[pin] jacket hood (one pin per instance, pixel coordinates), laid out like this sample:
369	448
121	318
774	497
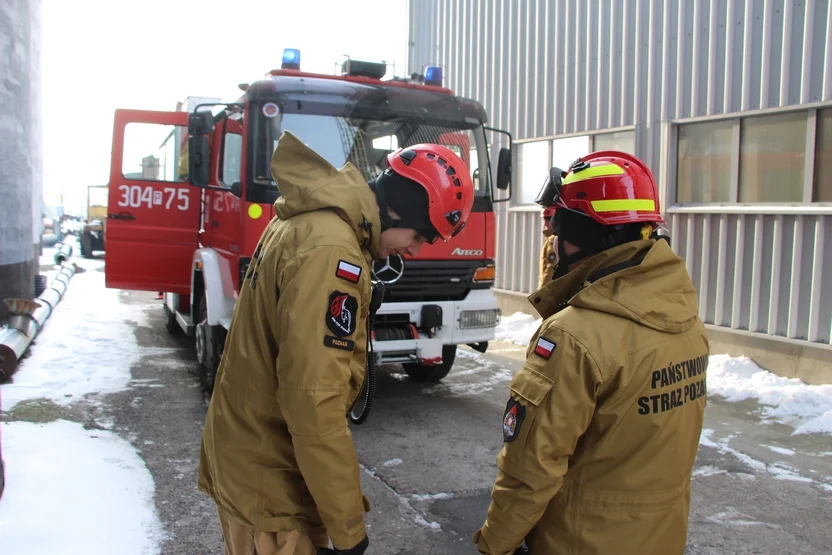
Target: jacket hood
307	182
652	288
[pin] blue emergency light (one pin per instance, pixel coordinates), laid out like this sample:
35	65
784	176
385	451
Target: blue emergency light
433	75
291	58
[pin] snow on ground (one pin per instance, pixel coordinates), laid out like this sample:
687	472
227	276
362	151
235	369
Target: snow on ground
807	408
780	450
68	489
517	328
71	490
405	502
87	345
778	470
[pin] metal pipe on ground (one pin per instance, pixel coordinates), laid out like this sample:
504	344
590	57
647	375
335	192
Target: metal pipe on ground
26	319
64	253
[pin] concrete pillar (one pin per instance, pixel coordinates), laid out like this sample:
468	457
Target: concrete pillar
21	175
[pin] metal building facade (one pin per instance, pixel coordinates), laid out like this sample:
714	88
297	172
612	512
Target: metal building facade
691	84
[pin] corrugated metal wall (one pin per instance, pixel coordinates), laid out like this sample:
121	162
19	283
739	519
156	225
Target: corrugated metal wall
544	68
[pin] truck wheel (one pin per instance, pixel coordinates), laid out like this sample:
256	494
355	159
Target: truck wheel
208	348
170	321
86	246
434	372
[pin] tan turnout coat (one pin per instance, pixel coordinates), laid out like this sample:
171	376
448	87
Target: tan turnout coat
603	422
277	453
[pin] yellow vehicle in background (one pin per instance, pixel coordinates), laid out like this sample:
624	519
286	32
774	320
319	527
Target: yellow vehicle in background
95	226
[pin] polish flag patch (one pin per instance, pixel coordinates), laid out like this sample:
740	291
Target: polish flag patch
544	348
347	271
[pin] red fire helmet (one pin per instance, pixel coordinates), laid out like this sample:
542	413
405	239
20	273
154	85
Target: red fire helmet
612	188
446	179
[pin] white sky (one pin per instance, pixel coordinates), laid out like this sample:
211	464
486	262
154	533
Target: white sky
99	55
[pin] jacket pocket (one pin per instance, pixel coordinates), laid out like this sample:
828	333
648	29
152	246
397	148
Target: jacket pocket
528	390
531	386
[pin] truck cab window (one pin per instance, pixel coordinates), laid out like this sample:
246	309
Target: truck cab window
366	142
154	152
232	156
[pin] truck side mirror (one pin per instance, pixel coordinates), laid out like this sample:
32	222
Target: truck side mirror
200	125
504	169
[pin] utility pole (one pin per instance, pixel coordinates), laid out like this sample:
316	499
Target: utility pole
21	161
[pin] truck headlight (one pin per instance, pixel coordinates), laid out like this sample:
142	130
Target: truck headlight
470	319
485	274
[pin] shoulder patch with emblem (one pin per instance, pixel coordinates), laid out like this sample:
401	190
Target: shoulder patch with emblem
513	417
544	348
341	314
348	271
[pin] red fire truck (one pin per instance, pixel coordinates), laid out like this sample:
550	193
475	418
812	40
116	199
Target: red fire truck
185	219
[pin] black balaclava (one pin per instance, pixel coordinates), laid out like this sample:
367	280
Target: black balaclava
406	198
588	235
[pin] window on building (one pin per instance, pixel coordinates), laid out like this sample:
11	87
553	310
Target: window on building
567	150
773	158
533	168
703	167
624	141
822	190
756	158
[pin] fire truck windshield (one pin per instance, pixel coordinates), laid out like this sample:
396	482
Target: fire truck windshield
366	142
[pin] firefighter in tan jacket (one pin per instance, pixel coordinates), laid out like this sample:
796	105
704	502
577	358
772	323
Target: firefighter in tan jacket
277	455
546	199
549	254
602	424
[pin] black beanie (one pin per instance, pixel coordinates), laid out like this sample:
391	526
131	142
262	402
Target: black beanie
406	198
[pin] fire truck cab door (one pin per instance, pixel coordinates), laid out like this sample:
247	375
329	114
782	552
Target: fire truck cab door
153	216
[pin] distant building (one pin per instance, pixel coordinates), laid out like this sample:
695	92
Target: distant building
150	168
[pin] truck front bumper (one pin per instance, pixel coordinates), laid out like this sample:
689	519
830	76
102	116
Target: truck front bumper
470	321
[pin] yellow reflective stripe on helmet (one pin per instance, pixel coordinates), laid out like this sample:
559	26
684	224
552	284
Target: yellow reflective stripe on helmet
624	205
598	170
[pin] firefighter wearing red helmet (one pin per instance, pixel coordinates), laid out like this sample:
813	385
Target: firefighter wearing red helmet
277	455
602	423
548	255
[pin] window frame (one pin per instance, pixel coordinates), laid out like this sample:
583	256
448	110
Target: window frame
805	206
516	205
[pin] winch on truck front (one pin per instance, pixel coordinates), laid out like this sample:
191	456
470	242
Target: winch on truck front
188	226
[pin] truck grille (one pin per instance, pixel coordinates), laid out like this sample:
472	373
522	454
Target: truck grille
432	281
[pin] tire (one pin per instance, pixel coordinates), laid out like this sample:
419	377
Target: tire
2	477
170	321
86	246
209	345
434	372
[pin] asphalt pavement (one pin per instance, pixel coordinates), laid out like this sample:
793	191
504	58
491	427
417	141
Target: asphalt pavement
428	459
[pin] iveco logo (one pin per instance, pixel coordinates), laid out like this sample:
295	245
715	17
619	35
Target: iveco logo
389	270
463	252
